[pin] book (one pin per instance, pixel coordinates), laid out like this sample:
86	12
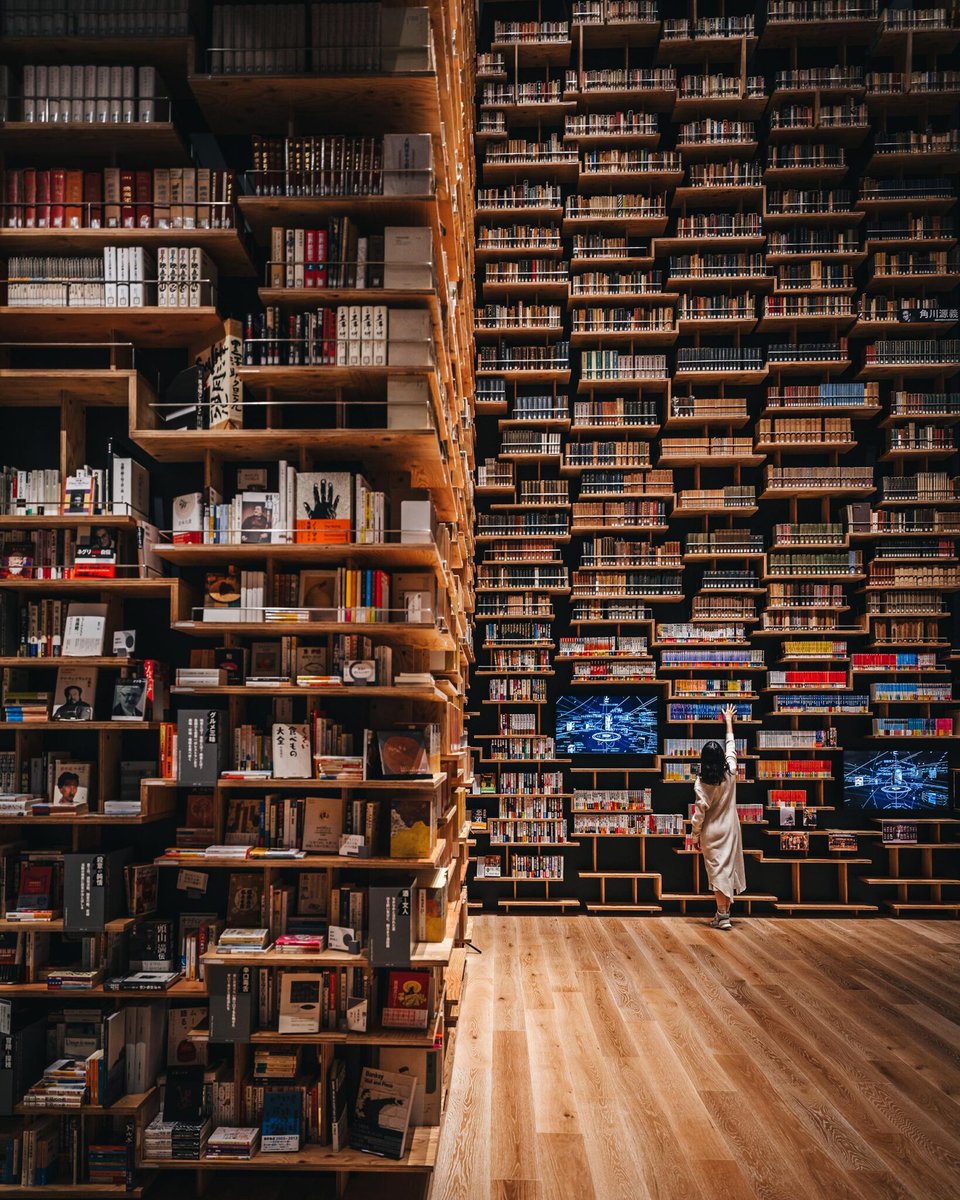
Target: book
412	831
36	889
407	1003
84	630
322	824
292	756
71	783
281	1120
381	1116
244	898
301	997
324	507
130	700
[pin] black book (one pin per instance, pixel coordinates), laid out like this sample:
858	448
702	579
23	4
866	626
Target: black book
183	1094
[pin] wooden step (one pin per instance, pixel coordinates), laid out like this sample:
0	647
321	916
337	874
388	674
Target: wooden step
566	902
915	906
823	906
619	874
843	862
623	908
917	882
708	898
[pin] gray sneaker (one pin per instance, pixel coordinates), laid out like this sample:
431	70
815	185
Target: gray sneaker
721	921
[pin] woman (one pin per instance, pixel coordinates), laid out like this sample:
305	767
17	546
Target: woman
716	826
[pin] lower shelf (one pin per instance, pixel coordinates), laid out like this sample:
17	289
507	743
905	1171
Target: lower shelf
897	906
421	1156
824	906
75	1191
623	908
567	902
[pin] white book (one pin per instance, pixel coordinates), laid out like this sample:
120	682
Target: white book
146	94
116	88
29	93
366	335
301	999
183	274
76	93
137	271
110	276
163	268
343	334
128	108
123	276
292	757
353	335
380	334
85	631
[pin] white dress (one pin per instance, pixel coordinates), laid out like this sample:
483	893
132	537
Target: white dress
716	823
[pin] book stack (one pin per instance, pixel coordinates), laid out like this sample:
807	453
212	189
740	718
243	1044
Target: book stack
231	1141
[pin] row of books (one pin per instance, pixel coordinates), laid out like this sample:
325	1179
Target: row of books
89	94
118	198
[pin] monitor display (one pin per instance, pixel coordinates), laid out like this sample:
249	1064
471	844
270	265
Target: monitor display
624	724
896	780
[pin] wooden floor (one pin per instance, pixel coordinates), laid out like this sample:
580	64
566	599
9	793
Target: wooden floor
600	1059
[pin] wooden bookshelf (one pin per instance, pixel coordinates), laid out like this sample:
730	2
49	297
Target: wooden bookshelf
74	377
767	240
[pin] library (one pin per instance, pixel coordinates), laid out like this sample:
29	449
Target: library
618	853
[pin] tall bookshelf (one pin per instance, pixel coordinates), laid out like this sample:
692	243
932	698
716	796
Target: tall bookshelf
718	277
86	377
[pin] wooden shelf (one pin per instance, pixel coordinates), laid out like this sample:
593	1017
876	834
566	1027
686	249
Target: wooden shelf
225	246
151	144
420	1157
393	102
144	326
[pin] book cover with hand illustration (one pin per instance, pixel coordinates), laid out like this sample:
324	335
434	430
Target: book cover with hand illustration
324	507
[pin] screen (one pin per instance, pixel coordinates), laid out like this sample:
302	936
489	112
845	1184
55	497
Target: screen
626	724
896	780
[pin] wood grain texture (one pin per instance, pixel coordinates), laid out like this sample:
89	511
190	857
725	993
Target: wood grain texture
601	1058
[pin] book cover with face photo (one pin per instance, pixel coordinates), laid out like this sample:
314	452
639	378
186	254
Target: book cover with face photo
257	510
324	507
129	700
74	694
71	783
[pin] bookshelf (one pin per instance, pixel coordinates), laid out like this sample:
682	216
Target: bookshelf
292	175
753	446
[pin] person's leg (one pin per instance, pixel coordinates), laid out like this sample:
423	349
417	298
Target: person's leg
722	918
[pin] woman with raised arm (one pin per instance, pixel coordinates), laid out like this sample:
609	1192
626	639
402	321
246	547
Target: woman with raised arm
716	826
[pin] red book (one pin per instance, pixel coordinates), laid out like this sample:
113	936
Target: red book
321	264
36	889
58	197
13	196
29	198
43	199
73	212
309	258
143	198
93	199
128	214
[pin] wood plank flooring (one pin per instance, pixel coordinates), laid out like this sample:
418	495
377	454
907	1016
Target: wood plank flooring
618	1059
